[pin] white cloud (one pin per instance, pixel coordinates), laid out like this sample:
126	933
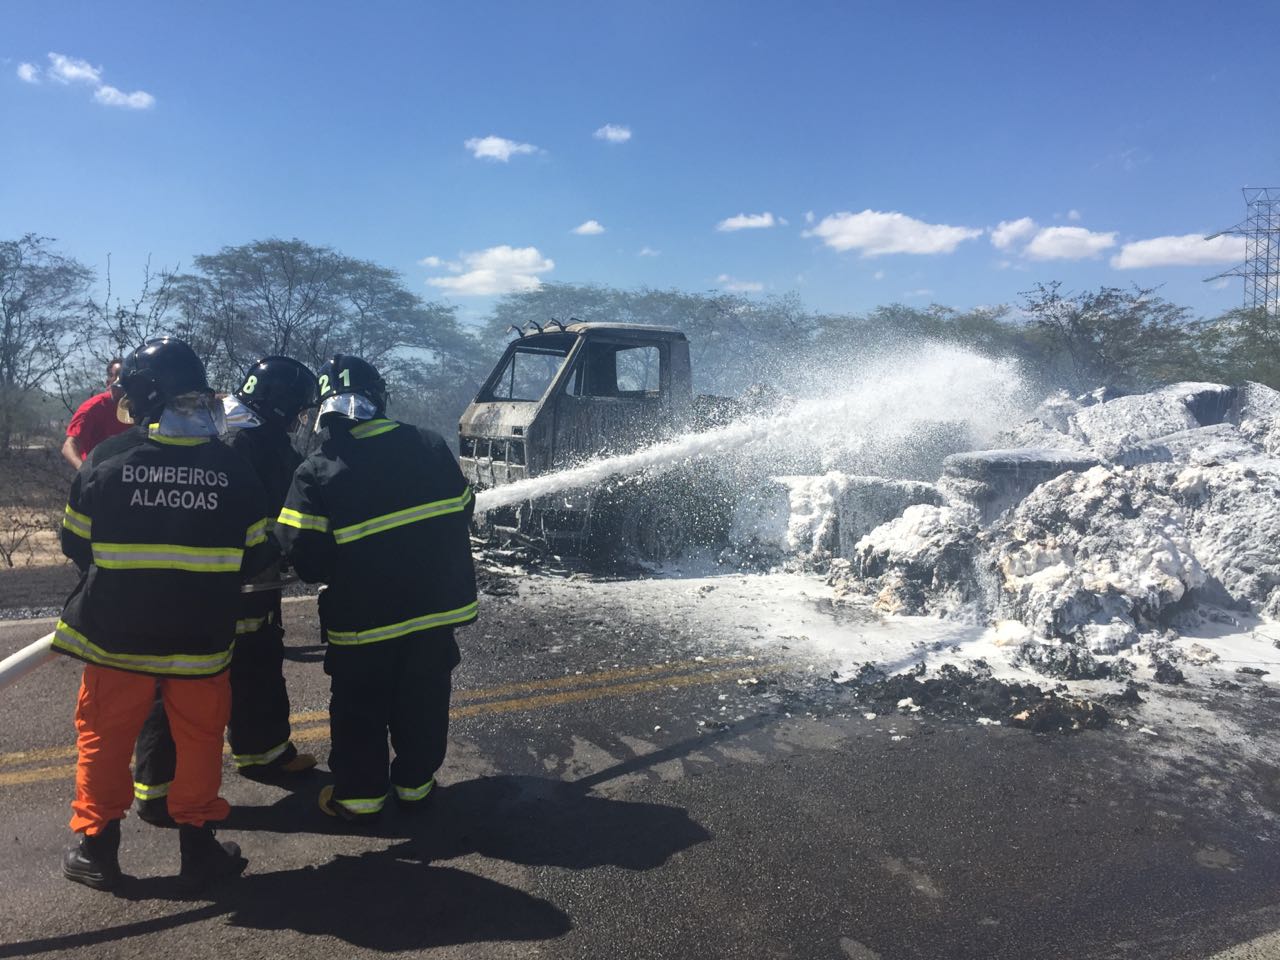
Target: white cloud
503	269
747	221
497	148
614	133
875	233
111	97
1188	250
66	69
878	275
589	228
739	286
808	216
431	262
1220	284
1068	243
1073	214
922	292
648	252
1009	232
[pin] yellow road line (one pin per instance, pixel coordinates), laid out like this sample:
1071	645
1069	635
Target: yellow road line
67	772
603	676
31	756
553	683
459	696
493	707
599	693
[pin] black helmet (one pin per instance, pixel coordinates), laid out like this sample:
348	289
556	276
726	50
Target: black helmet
278	389
346	374
157	372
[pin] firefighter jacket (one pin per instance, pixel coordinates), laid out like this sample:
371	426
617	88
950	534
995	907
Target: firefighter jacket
163	529
381	513
270	452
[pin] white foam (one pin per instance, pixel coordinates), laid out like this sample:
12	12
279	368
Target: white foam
886	406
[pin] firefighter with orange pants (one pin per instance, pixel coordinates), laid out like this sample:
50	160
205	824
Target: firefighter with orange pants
381	514
164	522
261	416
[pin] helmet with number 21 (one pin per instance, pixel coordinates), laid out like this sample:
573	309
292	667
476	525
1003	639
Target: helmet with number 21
352	388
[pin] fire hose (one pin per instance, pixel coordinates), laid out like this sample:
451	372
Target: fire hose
39	652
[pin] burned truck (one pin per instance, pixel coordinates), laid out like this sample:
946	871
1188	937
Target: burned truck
563	395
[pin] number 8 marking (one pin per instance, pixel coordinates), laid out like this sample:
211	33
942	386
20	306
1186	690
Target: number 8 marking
249	385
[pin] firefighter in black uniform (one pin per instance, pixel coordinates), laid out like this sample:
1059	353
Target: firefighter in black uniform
381	514
261	416
164	523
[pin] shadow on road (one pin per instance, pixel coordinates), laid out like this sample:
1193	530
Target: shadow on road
377	900
528	820
537	822
362	899
383	901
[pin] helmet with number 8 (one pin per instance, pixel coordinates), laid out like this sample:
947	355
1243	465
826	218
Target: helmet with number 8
353	388
278	389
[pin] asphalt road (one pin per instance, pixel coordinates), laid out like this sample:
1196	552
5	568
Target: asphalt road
622	789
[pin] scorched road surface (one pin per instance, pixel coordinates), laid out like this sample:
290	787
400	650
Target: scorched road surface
621	788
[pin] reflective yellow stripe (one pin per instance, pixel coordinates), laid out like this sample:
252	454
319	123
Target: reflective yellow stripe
154	433
372	428
167	556
70	640
389	521
78	523
257	533
415	793
144	791
303	521
257	759
364	805
393	630
250	625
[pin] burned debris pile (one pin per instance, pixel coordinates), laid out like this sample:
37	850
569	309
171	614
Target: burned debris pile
976	694
1104	526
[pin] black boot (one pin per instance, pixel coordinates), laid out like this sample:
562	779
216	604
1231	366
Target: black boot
204	859
95	861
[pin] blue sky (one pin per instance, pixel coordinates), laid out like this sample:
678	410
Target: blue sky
858	153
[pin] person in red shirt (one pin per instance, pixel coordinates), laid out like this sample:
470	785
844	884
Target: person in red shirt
94	420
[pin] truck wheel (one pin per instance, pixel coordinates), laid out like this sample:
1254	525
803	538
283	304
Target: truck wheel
633	520
661	530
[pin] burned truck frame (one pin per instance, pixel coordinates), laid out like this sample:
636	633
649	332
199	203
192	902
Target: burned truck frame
565	394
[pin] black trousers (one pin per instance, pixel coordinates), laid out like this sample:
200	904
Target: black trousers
259	728
401	687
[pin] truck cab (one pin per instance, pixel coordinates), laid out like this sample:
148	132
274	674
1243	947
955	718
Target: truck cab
564	394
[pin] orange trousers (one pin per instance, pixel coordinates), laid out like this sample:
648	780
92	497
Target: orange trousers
112	708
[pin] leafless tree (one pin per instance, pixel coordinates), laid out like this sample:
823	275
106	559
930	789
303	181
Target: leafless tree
45	318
